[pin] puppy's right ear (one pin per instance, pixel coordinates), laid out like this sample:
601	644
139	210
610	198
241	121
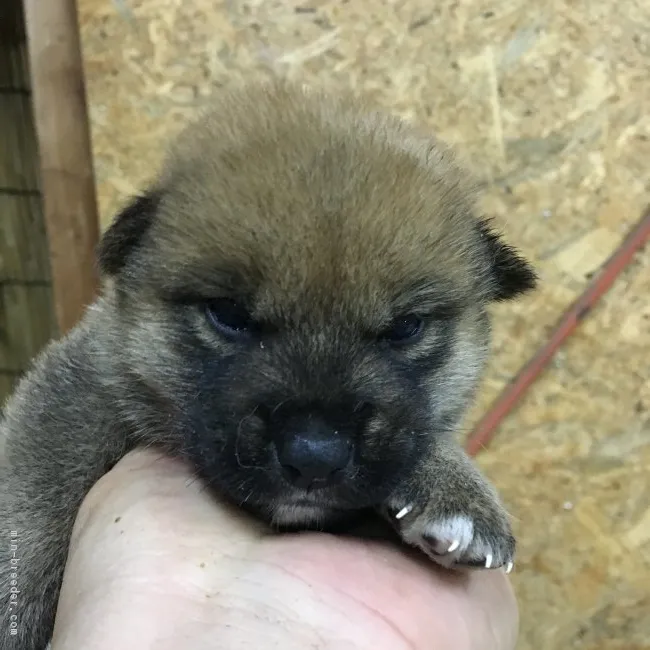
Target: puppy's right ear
125	234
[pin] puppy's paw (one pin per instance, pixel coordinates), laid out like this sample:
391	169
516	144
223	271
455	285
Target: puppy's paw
456	537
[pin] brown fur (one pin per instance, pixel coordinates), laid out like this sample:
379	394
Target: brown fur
327	221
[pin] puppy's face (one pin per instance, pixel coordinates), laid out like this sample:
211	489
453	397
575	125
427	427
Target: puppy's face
302	297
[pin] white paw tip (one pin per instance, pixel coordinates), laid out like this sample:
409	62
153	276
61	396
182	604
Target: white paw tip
509	567
403	512
488	560
454	545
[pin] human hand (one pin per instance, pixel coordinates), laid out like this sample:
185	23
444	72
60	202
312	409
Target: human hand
156	562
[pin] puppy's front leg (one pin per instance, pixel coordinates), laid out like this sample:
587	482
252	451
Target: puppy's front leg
450	511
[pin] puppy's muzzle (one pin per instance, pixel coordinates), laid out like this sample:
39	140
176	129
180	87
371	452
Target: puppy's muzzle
312	453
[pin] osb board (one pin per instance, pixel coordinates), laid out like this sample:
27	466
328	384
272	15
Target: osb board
548	101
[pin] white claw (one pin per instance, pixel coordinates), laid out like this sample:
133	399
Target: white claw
509	567
488	561
403	512
454	545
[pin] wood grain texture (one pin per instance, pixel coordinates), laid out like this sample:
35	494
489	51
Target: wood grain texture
26	310
65	152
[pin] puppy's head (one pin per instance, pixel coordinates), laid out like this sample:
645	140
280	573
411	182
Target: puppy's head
303	296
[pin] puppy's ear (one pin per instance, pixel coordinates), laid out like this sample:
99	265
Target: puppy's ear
125	234
511	274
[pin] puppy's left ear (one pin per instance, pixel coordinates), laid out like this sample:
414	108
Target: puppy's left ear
511	274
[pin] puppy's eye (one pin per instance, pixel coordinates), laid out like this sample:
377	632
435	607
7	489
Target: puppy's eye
228	317
405	329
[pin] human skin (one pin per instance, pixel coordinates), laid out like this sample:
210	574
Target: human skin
156	562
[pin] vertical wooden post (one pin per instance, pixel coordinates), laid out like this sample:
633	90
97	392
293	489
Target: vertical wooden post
26	311
67	175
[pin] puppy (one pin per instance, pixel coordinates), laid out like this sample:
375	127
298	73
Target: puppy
298	305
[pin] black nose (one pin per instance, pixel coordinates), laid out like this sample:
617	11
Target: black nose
313	454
